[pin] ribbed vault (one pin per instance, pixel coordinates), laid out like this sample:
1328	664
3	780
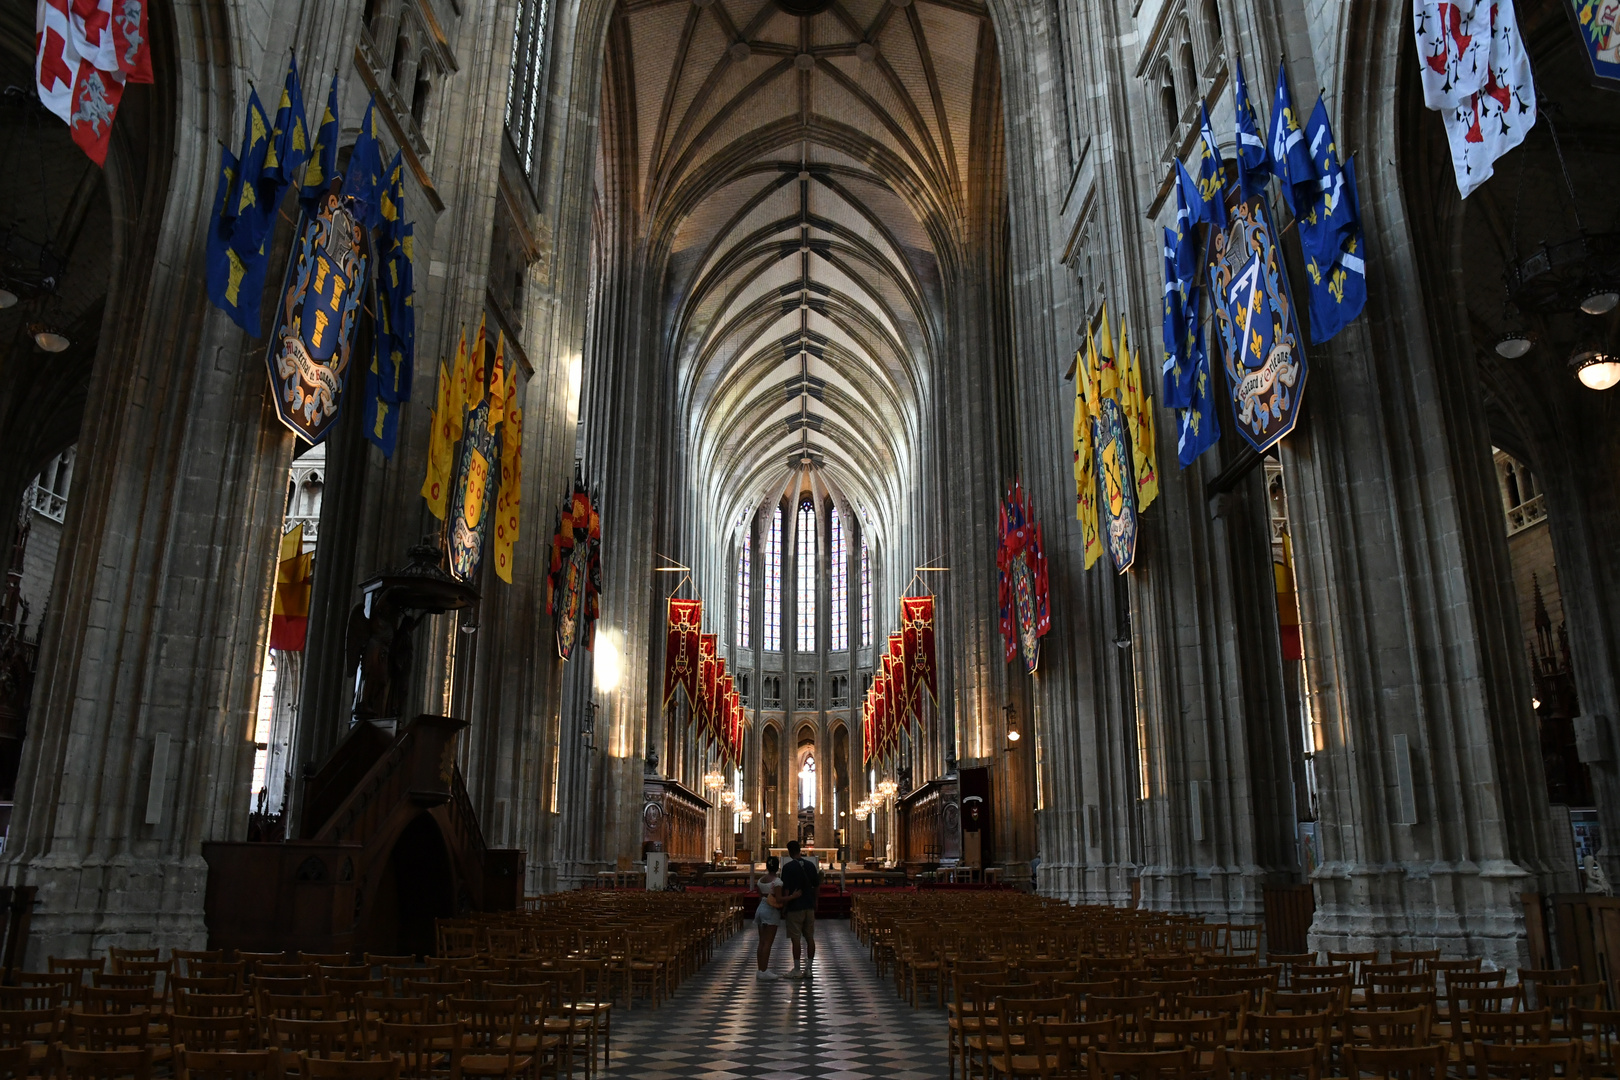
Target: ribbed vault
800	188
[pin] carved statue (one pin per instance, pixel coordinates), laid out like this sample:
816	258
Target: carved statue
1596	880
379	645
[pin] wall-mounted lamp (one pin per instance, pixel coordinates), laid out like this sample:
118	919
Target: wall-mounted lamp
1013	734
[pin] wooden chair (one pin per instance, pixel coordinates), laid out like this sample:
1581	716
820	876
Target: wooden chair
108	1031
187	1003
215	1034
1562	998
1387	1027
1420	959
79	967
313	1038
1395	1063
1465	1003
1532	1026
106	999
235	970
966	1012
251	960
1135	1013
1289	1002
15	1063
192	1064
425	1051
491	1030
1289	1032
120	956
1356	960
34	1031
73	1064
339	1069
1519	1062
1009	1053
1063	1048
1598	1032
218	985
1162	1065
185	959
1302	1064
1202	1036
66	983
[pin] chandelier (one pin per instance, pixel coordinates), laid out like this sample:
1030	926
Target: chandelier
745	813
887	788
713	780
728	797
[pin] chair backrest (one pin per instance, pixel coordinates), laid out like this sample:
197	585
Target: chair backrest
1380	982
1395	1063
107	999
120	956
1290	1032
74	965
19	1027
314	1038
1301	1064
1278	1002
1387	1027
66	982
1402	999
74	1064
235	970
1134	1013
1560	999
1356	960
1420	958
14	1062
1599	1030
329	1069
251	960
190	1003
418	1046
1169	991
1530	1026
108	1031
184	959
1204	1033
1520	1062
341	959
219	985
1163	1065
491	1024
226	1065
213	1033
14	998
125	980
295	1006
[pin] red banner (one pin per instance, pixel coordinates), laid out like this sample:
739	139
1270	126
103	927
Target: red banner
703	706
681	649
904	693
917	623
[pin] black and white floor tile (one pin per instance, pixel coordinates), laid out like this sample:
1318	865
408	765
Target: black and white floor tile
844	1023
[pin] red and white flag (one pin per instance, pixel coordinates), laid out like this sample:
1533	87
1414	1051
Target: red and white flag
84	51
1454	48
91	22
1488	123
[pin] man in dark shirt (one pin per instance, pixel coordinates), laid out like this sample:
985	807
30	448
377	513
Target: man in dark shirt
801	882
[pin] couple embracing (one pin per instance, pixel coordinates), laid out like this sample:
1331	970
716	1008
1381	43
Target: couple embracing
788	900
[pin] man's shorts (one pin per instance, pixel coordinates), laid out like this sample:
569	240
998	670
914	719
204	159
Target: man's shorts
801	924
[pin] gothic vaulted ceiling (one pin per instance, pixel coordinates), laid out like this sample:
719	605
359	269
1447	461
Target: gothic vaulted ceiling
801	186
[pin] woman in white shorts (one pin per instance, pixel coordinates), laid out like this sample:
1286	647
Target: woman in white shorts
768	915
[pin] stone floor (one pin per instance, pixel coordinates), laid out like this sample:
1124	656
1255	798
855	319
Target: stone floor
843	1024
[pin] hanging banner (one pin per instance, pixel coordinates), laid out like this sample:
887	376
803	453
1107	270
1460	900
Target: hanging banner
472	495
904	690
717	714
313	334
1116	483
1598	24
917	631
684	619
703	707
1259	333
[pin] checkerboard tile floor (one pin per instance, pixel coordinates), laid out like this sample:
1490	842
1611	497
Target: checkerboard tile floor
724	1024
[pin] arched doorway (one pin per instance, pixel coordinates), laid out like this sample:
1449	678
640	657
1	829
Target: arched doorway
417	887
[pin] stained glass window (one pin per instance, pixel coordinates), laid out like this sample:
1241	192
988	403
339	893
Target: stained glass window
866	596
773	583
805	574
744	581
525	94
839	560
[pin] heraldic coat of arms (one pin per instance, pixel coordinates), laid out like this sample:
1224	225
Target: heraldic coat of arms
320	305
1265	356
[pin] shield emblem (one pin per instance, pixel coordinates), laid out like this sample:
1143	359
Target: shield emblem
321	299
1116	480
470	496
1259	331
